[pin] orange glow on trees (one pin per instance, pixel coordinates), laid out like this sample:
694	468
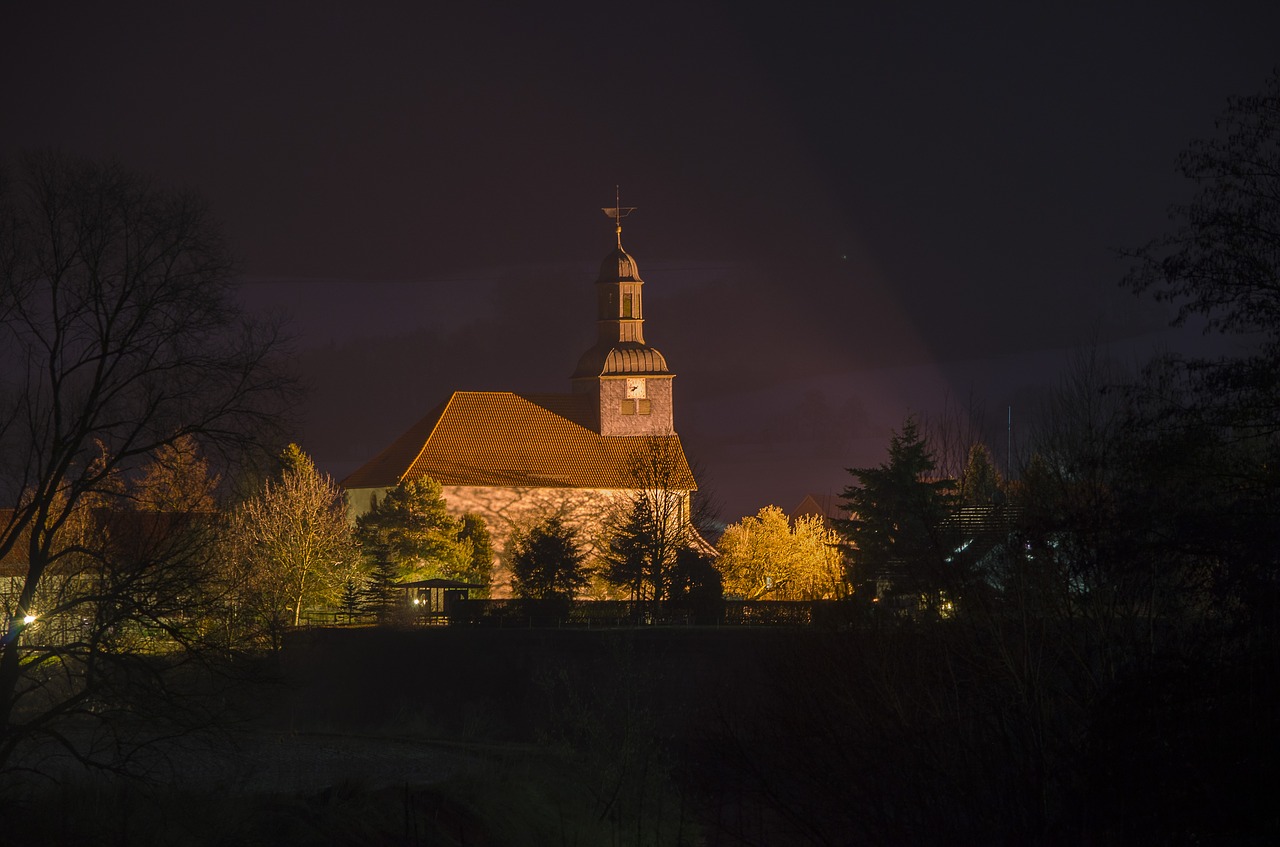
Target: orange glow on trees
767	557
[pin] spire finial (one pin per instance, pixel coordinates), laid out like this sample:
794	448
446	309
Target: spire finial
618	212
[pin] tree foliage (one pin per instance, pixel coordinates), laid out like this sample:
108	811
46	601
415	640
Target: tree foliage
121	340
547	562
380	596
474	531
1221	261
980	484
290	547
898	512
1221	264
769	557
652	526
411	523
697	585
177	479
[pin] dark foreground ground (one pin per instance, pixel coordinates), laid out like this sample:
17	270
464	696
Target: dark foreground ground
697	736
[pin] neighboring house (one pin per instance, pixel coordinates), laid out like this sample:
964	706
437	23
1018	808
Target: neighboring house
515	459
13	573
829	507
139	550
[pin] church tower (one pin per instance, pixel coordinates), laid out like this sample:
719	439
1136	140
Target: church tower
627	378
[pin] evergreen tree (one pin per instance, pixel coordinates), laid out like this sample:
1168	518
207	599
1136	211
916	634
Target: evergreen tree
898	509
980	484
626	559
475	531
653	526
547	562
696	585
381	595
352	597
411	523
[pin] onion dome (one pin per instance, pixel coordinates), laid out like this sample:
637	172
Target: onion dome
618	266
621	359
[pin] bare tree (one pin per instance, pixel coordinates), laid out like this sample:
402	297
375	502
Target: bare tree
119	338
290	547
654	525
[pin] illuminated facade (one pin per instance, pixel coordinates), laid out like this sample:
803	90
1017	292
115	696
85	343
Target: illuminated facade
516	459
628	381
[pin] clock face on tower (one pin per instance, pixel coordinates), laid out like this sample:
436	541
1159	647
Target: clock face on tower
636	388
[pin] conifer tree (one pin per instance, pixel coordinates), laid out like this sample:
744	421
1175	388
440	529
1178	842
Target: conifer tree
980	485
412	524
352	597
547	563
898	509
475	531
381	594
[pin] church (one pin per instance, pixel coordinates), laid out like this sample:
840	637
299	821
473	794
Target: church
516	459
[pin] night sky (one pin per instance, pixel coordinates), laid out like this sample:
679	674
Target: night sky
844	215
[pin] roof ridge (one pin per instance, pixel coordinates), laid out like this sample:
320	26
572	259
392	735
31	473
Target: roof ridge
509	439
444	410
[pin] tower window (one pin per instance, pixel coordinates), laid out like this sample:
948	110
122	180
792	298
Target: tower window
626	305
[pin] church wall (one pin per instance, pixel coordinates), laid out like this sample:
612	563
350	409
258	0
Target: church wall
506	509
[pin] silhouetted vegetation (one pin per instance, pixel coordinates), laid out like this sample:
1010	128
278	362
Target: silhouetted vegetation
125	361
1085	652
651	529
548	564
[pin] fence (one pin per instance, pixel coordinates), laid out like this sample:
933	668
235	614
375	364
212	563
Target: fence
621	613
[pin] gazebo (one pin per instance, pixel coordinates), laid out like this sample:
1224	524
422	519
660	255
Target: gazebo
433	598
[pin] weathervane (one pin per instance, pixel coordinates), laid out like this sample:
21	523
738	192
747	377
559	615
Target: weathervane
618	212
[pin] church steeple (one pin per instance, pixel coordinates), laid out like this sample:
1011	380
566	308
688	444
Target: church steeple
620	304
618	212
630	379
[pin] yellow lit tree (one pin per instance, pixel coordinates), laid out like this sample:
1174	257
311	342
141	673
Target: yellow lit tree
768	557
290	547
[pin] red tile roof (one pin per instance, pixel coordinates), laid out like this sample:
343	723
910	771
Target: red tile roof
503	439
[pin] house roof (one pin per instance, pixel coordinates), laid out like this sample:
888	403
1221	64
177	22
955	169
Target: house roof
497	438
826	506
125	535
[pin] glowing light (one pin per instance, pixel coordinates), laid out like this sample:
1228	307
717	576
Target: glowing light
28	620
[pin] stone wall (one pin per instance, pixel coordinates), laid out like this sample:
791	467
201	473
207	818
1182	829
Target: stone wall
506	509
